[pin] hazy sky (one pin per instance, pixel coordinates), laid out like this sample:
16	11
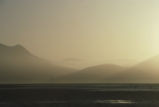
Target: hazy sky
83	32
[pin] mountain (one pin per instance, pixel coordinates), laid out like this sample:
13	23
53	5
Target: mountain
95	74
18	65
144	72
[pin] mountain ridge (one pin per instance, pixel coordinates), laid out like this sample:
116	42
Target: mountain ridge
17	64
93	74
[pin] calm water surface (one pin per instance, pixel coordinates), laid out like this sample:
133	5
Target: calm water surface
80	95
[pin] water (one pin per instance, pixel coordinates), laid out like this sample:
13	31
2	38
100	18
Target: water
80	95
115	101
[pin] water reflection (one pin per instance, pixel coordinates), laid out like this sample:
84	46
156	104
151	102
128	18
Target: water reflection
115	101
97	101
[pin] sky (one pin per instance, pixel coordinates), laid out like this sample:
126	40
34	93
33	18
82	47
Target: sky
80	33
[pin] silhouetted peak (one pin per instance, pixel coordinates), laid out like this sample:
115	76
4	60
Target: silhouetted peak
15	46
16	49
18	46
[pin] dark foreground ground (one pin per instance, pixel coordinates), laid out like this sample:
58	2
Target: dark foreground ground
79	95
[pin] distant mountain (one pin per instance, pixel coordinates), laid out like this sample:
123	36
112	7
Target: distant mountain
95	74
144	72
18	65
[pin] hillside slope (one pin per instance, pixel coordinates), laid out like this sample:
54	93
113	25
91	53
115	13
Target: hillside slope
18	65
